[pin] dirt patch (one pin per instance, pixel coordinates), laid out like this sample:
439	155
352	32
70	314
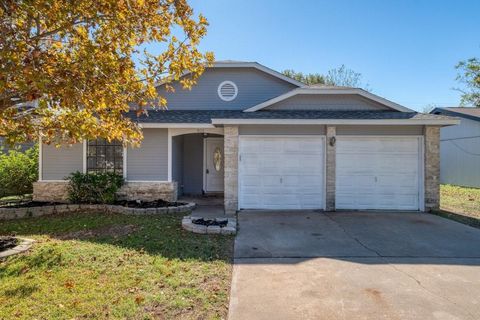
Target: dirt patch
114	231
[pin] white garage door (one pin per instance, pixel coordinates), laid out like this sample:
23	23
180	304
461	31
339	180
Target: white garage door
378	173
281	172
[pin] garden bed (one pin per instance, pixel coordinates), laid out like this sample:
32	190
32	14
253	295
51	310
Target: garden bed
122	207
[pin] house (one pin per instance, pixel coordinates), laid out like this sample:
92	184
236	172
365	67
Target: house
266	141
460	148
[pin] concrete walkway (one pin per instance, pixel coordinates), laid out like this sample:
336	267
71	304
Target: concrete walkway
310	265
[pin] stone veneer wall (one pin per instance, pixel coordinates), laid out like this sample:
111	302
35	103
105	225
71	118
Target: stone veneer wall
56	191
432	167
52	191
330	169
231	169
149	191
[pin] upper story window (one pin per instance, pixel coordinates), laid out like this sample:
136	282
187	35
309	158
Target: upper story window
227	90
104	156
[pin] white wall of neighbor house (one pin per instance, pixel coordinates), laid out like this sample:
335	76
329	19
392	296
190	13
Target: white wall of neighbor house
460	154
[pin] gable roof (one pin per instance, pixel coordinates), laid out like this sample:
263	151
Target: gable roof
258	66
247	64
467	113
329	90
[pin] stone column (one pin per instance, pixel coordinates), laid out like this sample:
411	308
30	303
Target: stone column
330	168
432	167
231	169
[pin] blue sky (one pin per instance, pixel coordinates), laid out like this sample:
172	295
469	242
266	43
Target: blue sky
405	50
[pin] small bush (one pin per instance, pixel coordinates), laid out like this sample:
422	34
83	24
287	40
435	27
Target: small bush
93	187
18	172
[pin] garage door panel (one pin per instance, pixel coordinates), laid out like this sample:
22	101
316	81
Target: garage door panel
377	173
288	175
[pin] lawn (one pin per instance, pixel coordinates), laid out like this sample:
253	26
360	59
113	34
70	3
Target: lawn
461	204
107	266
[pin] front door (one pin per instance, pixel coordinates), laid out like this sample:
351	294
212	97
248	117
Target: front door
213	175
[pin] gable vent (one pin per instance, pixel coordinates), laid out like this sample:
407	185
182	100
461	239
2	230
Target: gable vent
227	90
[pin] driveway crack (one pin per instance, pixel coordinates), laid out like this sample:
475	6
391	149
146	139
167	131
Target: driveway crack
352	237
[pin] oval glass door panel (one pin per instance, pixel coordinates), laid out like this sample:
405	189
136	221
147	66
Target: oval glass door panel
217	159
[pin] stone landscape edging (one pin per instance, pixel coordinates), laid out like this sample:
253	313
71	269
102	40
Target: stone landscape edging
30	212
230	228
23	246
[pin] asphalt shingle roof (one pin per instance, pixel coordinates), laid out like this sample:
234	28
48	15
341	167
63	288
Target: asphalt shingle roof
464	112
206	116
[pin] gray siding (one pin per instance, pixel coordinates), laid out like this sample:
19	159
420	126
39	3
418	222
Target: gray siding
281	130
254	87
193	164
58	163
460	154
327	102
380	130
149	162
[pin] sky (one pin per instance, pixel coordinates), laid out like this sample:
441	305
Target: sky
405	50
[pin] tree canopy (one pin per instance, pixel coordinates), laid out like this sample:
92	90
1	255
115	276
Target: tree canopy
469	75
341	76
82	64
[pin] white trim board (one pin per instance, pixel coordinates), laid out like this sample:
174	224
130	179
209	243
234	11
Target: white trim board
440	122
330	91
40	161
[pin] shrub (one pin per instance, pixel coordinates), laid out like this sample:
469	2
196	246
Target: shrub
93	187
18	172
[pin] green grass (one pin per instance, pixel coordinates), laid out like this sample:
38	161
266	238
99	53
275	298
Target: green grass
460	200
106	266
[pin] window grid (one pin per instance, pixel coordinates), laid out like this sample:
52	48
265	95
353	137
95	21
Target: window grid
104	156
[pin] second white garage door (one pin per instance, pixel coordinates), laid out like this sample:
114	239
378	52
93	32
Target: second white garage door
378	173
284	172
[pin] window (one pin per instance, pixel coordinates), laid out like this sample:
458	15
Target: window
104	156
227	90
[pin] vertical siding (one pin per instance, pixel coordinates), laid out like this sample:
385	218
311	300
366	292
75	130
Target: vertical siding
460	154
193	164
58	163
254	87
327	102
149	162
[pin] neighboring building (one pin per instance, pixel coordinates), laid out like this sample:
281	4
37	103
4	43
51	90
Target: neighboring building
460	148
266	141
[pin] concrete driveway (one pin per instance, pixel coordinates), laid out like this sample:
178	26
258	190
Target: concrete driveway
354	265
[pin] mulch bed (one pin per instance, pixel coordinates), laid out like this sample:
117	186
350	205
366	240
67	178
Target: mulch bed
210	222
7	243
149	204
28	204
130	204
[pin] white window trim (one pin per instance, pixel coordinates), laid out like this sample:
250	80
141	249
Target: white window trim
219	90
